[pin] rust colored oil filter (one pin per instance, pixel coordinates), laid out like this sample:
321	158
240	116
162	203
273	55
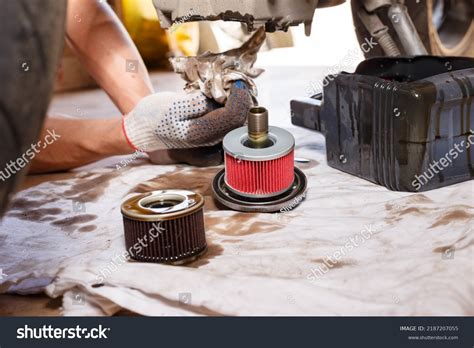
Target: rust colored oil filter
165	226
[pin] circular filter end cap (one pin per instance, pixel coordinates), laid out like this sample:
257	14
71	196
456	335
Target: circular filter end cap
290	198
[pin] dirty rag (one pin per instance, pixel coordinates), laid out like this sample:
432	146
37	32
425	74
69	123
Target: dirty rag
350	248
213	74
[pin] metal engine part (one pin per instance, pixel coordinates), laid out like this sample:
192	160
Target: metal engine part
372	5
406	30
379	31
273	14
401	22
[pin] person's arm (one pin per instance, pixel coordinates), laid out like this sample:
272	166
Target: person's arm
79	142
104	47
100	41
170	126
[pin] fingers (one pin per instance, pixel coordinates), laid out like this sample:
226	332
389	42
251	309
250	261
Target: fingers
193	105
174	107
212	127
239	85
238	105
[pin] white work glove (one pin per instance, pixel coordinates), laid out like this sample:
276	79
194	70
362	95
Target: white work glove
183	121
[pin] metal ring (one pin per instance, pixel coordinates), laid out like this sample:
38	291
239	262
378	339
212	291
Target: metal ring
170	204
290	198
283	143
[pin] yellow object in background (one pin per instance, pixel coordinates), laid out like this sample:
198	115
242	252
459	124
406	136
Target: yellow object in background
184	39
154	43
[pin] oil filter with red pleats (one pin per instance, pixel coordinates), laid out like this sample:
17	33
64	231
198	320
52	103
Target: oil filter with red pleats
259	173
260	178
259	159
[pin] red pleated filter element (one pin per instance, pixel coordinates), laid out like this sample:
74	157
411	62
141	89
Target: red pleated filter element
259	178
259	174
259	159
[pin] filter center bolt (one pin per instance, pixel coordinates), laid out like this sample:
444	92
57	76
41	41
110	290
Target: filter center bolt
258	128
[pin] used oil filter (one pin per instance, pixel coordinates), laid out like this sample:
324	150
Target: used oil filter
165	226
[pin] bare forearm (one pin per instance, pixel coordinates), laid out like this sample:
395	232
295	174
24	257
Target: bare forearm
80	142
102	44
100	41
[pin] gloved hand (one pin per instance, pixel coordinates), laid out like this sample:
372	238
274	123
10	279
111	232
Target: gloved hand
176	121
